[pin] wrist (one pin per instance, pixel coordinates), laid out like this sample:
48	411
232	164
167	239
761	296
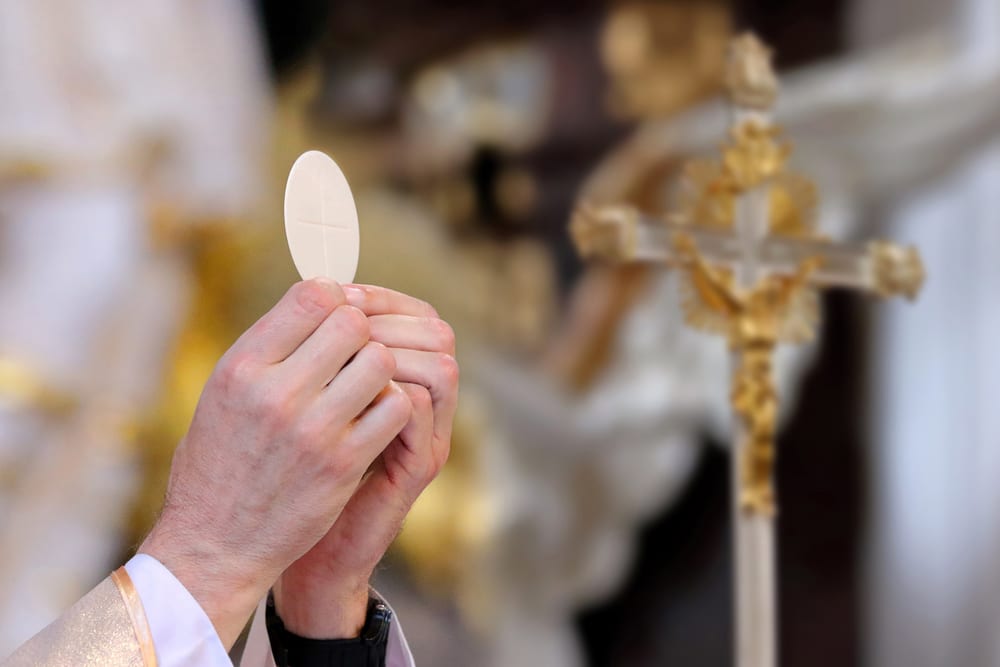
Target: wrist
227	594
368	649
321	606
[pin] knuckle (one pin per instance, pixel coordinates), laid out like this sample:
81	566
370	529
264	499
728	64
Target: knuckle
398	405
419	397
337	465
448	370
353	323
236	373
430	310
308	437
316	297
274	408
266	405
445	335
382	359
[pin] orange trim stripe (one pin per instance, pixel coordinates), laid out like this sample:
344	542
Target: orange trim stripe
138	615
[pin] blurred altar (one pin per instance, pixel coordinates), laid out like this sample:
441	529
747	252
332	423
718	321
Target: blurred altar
582	518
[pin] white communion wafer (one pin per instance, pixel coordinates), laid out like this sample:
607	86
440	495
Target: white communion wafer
321	221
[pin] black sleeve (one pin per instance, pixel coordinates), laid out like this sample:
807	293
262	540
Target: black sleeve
366	650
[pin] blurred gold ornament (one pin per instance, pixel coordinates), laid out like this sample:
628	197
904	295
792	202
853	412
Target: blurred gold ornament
793	204
755	400
663	56
28	388
706	195
746	243
753	155
604	231
171	228
898	270
750	78
24	169
777	308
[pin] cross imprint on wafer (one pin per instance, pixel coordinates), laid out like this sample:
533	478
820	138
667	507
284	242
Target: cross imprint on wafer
321	221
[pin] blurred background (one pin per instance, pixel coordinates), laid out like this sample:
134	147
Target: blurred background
583	517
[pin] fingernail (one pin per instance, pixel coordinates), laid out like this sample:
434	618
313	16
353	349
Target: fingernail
328	283
354	294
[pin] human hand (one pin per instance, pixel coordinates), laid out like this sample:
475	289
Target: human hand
292	416
323	595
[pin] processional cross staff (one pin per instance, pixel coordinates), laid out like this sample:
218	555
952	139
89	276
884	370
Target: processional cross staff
751	262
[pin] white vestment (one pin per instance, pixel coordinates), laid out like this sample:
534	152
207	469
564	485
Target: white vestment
160	625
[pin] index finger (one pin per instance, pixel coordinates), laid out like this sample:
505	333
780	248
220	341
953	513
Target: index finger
374	300
296	316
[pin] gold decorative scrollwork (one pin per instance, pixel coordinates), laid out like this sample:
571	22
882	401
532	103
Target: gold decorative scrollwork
755	399
604	231
753	156
750	77
896	270
778	308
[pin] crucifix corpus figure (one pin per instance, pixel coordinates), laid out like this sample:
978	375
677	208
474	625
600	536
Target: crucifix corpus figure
751	260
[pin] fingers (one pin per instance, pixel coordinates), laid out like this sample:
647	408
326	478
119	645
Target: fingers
417	433
411	460
321	356
380	423
429	453
295	317
381	301
429	334
438	372
358	384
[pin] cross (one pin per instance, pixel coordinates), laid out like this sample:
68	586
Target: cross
751	264
326	226
329	214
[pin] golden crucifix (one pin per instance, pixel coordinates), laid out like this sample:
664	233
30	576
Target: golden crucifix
745	243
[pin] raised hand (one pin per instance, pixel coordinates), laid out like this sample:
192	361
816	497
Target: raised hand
324	594
292	417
